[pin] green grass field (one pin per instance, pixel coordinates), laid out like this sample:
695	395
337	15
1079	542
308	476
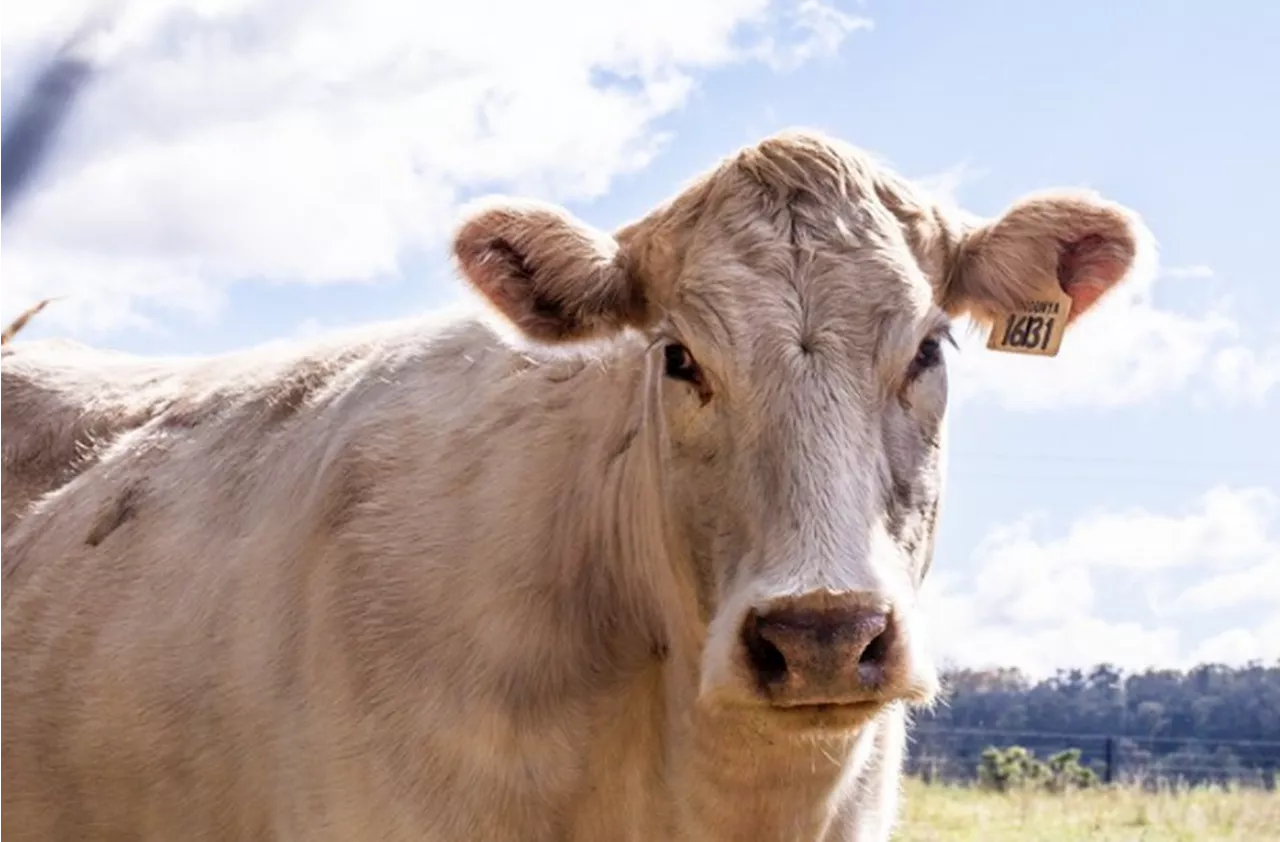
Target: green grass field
938	813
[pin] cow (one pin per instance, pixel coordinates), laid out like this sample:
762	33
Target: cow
630	551
66	402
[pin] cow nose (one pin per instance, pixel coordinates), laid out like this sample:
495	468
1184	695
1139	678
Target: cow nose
830	653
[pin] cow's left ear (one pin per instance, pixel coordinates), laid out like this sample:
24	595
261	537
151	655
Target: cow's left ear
1087	243
554	277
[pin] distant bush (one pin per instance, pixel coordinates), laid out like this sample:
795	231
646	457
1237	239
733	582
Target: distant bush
1016	768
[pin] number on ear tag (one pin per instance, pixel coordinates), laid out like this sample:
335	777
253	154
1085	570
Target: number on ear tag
1036	328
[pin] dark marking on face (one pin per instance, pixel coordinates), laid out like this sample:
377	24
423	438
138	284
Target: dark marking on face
624	444
898	505
902	493
119	512
929	522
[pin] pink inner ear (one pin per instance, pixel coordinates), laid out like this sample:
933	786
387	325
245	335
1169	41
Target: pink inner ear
1088	268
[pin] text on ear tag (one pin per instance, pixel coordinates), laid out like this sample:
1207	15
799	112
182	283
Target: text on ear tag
1036	328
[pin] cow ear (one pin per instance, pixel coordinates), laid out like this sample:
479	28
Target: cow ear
1088	244
553	276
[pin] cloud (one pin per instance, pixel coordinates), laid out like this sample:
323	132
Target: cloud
820	29
330	141
1197	270
1237	646
945	186
1246	374
1128	350
1033	601
309	328
1258	583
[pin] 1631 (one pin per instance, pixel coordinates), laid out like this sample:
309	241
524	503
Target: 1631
1028	331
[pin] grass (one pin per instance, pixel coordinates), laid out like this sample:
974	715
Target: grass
942	813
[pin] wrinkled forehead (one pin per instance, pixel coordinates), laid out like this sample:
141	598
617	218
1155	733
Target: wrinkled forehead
825	272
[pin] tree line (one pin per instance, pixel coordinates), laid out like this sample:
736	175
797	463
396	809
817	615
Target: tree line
1209	723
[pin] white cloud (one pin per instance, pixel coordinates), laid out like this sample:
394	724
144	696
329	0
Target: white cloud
1237	646
1259	583
1246	374
945	186
1228	527
328	141
1033	601
309	328
1195	270
821	27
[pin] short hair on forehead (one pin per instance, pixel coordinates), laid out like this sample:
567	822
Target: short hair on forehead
797	171
796	162
804	169
887	301
808	163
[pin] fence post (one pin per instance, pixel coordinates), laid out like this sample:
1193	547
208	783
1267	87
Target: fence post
1108	774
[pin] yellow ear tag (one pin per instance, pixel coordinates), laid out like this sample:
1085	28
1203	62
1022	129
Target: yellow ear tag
1036	328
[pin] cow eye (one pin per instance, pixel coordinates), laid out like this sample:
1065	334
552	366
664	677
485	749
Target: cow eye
928	355
680	364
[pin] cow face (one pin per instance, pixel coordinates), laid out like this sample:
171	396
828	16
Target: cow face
797	302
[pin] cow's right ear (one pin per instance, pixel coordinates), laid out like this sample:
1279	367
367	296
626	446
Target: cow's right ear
554	277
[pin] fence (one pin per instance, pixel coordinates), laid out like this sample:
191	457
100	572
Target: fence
953	754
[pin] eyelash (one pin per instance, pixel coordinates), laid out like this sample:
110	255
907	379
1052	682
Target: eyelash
928	355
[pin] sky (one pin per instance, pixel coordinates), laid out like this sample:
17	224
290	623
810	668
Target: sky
244	172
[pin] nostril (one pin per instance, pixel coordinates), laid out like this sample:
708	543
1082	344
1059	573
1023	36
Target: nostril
801	654
876	650
767	660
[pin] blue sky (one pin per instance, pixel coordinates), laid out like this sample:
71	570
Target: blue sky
254	171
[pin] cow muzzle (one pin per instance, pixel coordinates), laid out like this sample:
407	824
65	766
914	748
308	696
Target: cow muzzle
824	649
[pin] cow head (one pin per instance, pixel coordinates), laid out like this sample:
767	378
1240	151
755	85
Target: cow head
797	301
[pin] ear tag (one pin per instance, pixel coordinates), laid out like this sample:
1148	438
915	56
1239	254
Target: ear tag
1035	328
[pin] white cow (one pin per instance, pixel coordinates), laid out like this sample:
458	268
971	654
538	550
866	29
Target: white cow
643	567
